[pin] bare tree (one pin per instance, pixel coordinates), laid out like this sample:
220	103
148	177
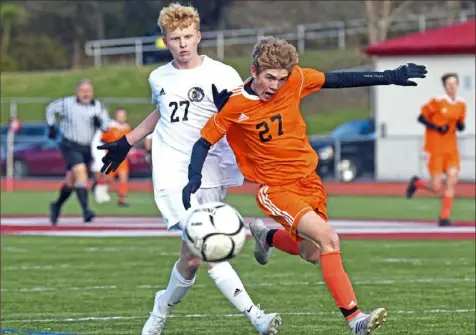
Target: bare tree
379	15
454	7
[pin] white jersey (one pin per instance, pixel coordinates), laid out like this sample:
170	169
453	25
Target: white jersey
97	154
185	102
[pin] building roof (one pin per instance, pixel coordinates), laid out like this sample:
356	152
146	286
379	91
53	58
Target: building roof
450	40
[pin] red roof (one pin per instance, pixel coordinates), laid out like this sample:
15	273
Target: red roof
456	39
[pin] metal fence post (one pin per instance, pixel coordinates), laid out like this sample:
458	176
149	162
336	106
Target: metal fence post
10	147
138	47
341	36
221	45
421	23
337	151
301	35
97	55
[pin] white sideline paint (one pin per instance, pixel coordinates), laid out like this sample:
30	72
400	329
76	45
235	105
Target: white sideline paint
297	283
204	316
35	267
153	227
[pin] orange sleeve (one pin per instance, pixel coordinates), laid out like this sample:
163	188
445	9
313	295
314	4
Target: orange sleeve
428	109
312	81
462	118
218	125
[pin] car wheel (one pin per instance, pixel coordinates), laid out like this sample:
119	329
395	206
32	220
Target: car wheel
20	169
348	170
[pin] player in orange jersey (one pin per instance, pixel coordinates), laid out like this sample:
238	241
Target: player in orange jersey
119	128
442	117
267	133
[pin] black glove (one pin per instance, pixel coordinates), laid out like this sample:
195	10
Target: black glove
401	75
52	132
460	125
442	129
221	98
116	152
193	185
97	122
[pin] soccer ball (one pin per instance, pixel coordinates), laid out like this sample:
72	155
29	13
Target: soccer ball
215	232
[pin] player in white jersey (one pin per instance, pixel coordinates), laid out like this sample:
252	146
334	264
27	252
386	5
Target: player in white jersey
100	186
182	93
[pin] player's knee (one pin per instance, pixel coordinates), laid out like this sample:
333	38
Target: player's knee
189	261
312	257
335	240
436	185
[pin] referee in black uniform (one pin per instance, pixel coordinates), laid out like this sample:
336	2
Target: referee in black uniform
80	116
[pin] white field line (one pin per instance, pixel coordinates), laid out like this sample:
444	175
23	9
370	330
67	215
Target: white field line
204	316
35	267
297	283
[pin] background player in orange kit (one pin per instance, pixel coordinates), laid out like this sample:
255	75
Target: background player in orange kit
267	133
442	117
119	128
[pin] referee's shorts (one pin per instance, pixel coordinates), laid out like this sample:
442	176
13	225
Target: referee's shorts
74	154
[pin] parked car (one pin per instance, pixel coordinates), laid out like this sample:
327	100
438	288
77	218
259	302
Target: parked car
28	133
45	159
356	140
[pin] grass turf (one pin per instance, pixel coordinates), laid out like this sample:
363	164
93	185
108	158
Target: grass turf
106	286
36	203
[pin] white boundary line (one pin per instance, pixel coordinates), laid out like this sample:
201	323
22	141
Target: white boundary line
204	316
282	283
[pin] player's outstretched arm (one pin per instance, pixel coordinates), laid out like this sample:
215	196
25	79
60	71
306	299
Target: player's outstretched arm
144	128
53	109
197	159
400	76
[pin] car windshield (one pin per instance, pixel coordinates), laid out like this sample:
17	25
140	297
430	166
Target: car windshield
347	129
354	128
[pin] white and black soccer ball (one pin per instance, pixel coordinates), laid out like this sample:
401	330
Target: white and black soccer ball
215	232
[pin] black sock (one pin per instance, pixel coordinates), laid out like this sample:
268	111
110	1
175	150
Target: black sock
269	237
82	194
348	312
64	194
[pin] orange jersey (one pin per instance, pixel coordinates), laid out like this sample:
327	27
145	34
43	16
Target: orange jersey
442	111
269	138
115	132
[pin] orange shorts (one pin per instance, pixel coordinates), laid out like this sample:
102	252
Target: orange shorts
123	168
440	163
288	203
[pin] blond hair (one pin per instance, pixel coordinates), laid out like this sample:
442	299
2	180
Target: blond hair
176	16
274	53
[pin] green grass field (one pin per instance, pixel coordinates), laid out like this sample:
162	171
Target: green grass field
36	203
106	286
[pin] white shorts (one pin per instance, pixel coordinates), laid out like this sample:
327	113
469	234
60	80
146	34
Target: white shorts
97	156
171	206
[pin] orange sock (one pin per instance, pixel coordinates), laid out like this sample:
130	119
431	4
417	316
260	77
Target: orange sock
122	188
446	206
281	240
339	284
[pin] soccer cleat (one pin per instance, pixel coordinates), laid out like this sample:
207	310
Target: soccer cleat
411	188
122	204
88	215
100	194
54	213
266	324
259	231
156	322
365	324
444	222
